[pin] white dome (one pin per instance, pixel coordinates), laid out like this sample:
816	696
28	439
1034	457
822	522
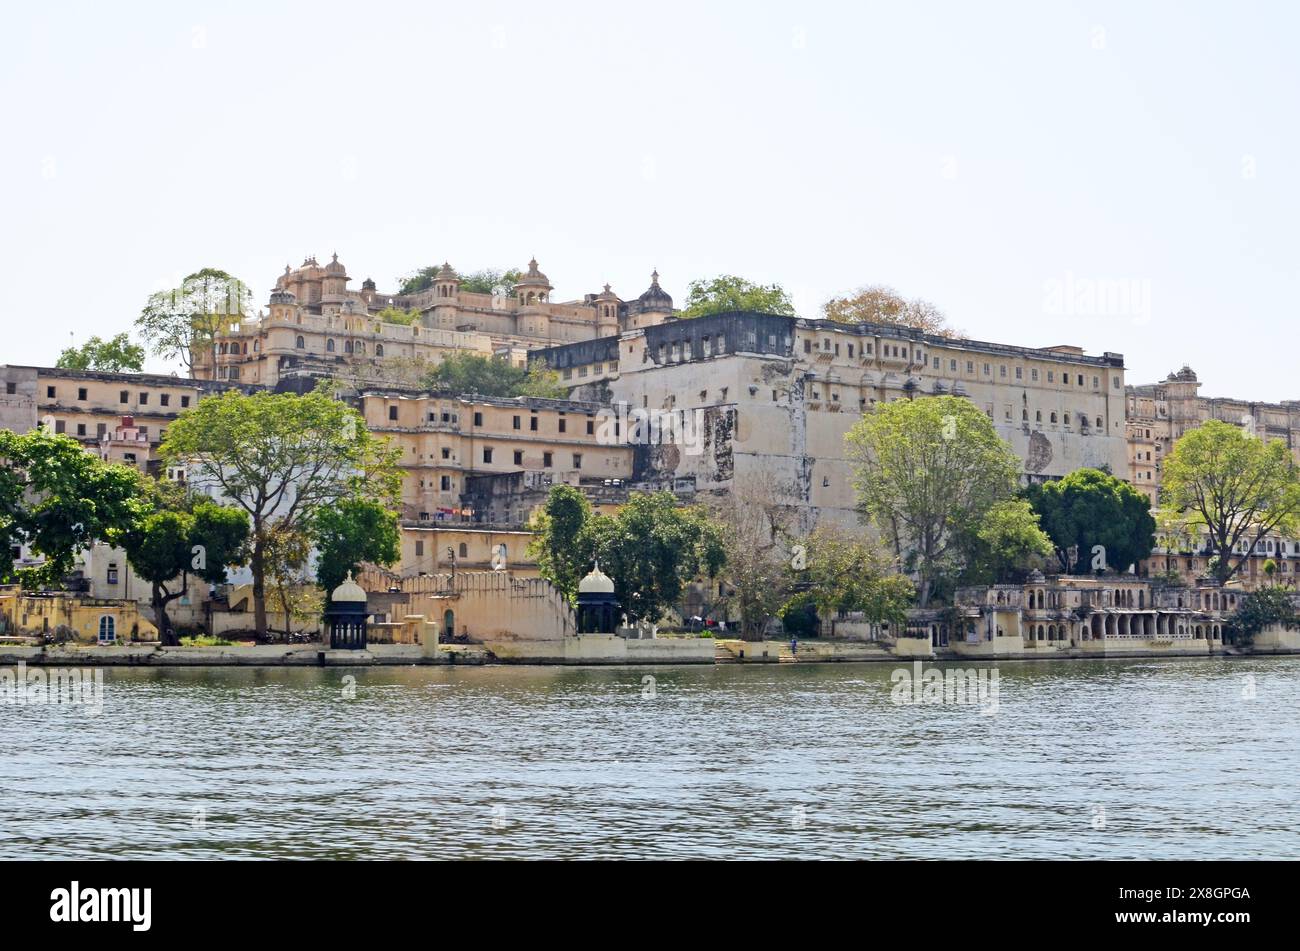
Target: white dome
596	583
349	590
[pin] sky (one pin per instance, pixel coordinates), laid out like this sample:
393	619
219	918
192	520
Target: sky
1118	176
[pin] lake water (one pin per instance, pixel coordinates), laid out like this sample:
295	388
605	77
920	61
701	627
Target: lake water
1083	759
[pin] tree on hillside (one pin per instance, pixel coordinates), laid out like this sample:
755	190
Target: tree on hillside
183	322
184	536
758	542
352	531
281	458
845	572
926	472
57	499
651	548
878	304
1237	488
1007	544
727	292
1090	508
463	373
117	355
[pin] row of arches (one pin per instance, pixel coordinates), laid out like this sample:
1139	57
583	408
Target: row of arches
348	346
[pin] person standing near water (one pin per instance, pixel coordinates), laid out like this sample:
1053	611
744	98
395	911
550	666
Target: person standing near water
794	645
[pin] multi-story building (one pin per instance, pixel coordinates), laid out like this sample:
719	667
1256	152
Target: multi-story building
766	400
316	326
1160	413
121	417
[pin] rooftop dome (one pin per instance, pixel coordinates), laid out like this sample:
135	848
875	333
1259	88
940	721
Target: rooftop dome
349	590
596	583
446	273
534	277
606	294
282	297
334	267
655	297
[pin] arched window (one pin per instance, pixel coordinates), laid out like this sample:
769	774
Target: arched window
464	550
329	346
1053	417
347	346
379	349
1024	415
1038	415
107	629
300	343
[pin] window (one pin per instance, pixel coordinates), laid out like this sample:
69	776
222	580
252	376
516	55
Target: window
1033	375
49	392
81	393
60	426
952	366
519	457
111	578
124	397
1051	376
446	452
81	429
107	629
379	349
546	460
445	483
300	343
563	423
807	345
487	453
101	428
1002	371
970	366
517	423
11	387
165	399
392	412
850	350
419	549
463	550
532	423
986	369
1114	383
591	426
577	460
329	346
185	401
478	419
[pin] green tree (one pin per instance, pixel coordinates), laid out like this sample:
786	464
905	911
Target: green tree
1007	544
651	548
352	531
463	372
478	282
184	536
1261	608
760	555
117	355
1236	487
395	315
182	323
281	458
846	573
1090	508
878	304
57	498
726	293
926	472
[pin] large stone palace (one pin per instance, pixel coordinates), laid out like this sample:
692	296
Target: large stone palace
316	326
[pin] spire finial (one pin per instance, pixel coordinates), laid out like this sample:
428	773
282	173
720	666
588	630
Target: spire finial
654	277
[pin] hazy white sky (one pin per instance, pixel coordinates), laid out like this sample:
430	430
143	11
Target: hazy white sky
1004	160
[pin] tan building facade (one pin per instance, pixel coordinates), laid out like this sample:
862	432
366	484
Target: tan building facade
766	401
316	325
1160	413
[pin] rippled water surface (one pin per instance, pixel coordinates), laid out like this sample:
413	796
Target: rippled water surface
1139	759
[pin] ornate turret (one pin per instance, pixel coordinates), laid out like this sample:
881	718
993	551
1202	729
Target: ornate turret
446	283
346	615
597	607
653	307
607	307
534	287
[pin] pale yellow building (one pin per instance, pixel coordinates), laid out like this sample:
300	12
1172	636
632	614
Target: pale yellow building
71	616
316	326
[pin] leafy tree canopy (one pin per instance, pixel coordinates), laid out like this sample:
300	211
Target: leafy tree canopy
926	472
1261	608
58	499
117	355
395	315
463	373
1090	508
727	292
1008	543
1235	487
354	530
878	304
478	282
182	323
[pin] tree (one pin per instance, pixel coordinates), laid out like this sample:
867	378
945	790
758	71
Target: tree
1007	545
759	554
726	293
352	531
288	553
926	472
1090	508
1261	608
117	355
185	536
846	573
281	458
650	547
395	315
57	499
479	282
561	544
1235	487
878	304
463	372
182	323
